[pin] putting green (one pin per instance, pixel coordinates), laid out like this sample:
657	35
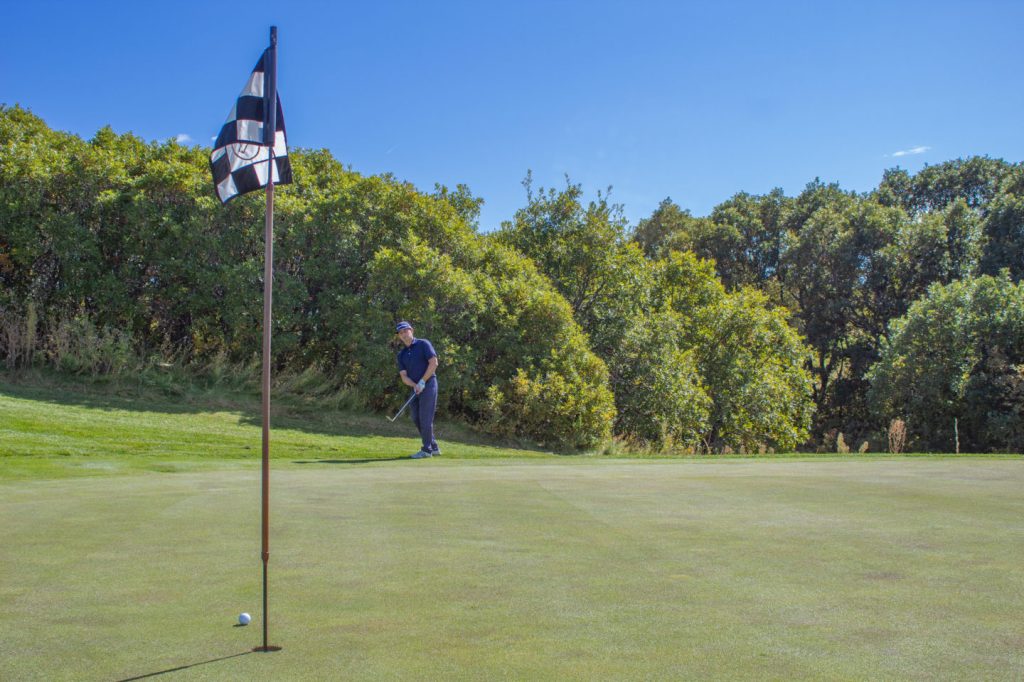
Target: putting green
549	569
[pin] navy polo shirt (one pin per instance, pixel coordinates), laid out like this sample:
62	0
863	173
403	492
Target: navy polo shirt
414	359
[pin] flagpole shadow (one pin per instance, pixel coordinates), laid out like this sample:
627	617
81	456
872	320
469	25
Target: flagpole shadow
184	667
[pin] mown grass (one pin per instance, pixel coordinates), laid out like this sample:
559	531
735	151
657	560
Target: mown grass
130	526
552	569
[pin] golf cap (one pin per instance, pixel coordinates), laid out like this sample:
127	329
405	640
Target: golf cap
402	325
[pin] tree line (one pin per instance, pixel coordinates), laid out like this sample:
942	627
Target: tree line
908	296
773	323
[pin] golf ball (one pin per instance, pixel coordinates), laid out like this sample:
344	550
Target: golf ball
244	619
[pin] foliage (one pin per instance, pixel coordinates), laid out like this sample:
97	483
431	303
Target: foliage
749	359
685	332
691	365
516	360
974	180
668	228
1004	232
745	236
658	389
847	264
77	346
583	250
958	354
125	237
752	363
897	435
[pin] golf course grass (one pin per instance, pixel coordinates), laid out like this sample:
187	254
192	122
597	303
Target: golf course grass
135	556
69	429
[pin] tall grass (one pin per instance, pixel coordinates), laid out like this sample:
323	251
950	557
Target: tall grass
18	337
72	344
76	345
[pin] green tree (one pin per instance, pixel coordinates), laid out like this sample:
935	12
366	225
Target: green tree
516	360
1004	232
750	361
119	234
825	273
463	201
658	389
585	253
751	240
746	236
854	265
658	233
964	240
975	180
956	355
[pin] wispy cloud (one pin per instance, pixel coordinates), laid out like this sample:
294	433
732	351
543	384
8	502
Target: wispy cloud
183	138
910	152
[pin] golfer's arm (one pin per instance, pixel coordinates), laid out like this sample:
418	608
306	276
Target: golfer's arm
431	368
406	380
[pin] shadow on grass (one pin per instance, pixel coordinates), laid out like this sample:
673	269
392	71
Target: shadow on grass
288	412
185	667
368	460
126	397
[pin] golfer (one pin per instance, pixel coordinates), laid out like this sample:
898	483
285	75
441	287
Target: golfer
417	365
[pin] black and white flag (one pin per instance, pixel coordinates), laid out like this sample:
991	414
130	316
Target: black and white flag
241	158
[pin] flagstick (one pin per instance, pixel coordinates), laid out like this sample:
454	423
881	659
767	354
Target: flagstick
269	133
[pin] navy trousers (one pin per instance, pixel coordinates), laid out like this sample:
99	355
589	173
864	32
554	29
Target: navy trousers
422	409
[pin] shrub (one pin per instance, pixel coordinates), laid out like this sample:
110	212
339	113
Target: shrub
897	436
659	395
841	446
512	359
956	357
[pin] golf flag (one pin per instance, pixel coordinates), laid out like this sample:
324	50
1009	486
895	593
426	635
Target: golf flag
250	154
241	156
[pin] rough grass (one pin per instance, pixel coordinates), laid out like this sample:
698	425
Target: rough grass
59	428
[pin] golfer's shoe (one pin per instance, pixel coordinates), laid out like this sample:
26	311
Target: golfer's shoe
421	454
436	452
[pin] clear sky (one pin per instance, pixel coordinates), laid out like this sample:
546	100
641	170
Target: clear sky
692	100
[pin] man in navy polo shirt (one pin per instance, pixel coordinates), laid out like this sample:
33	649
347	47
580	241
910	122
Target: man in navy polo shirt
417	364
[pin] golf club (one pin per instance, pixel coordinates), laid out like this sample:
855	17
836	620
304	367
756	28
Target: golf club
399	413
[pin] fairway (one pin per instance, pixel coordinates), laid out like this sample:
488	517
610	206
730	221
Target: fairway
525	569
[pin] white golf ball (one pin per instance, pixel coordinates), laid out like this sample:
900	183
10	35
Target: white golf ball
244	619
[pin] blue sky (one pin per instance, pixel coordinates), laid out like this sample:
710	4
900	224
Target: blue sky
696	101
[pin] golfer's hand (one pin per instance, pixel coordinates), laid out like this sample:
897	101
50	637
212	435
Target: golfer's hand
420	386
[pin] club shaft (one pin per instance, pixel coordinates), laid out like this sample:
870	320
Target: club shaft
399	413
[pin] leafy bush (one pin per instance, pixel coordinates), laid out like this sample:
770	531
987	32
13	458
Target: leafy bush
125	239
659	393
750	361
958	355
512	358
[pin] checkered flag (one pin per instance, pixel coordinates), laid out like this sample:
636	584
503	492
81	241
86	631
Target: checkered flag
241	156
